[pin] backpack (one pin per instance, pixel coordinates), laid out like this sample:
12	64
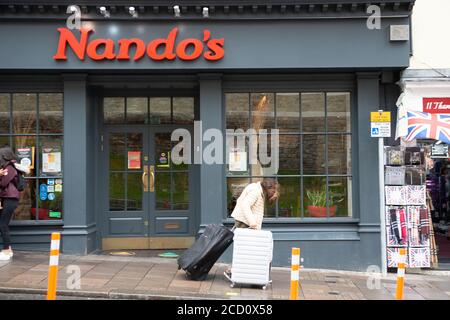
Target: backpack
20	181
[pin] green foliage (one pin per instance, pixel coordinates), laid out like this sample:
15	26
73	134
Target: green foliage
317	198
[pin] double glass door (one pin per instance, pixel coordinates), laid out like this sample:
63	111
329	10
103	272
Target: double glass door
149	197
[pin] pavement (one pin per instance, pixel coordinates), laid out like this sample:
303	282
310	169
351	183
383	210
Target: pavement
149	277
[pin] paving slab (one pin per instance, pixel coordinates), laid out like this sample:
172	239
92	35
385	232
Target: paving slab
156	278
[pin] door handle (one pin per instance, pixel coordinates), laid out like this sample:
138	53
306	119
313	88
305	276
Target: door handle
145	179
152	178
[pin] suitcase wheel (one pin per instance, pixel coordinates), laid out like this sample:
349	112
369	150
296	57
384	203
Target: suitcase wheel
232	285
264	287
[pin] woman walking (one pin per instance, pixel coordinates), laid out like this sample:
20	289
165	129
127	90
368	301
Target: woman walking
249	210
9	196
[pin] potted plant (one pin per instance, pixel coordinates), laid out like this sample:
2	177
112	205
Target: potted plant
317	207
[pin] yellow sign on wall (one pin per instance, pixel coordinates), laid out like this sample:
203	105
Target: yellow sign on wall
378	116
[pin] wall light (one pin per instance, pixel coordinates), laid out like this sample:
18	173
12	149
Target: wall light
104	12
176	11
205	12
133	12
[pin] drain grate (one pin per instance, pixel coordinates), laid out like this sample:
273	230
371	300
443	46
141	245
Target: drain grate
334	293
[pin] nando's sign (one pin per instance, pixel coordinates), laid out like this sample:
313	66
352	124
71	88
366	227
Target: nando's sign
163	49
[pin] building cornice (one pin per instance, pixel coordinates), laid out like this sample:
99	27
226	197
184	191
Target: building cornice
218	10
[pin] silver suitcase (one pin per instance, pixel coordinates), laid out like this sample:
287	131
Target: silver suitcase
252	257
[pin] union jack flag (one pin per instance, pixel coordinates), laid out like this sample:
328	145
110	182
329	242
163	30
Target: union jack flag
422	125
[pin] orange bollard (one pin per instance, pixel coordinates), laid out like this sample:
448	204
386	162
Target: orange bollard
401	275
53	266
295	267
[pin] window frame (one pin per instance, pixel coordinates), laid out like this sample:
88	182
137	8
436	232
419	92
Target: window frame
298	87
11	135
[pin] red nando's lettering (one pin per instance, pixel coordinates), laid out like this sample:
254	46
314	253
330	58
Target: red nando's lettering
157	49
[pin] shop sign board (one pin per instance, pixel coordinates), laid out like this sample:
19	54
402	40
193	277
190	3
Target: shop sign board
380	124
161	49
436	105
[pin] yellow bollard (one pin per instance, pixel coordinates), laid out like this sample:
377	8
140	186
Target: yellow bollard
295	267
401	275
53	266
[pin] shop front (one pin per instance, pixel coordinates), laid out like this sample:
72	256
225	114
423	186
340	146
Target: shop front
95	113
423	128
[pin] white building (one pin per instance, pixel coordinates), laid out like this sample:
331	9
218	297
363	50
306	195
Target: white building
429	73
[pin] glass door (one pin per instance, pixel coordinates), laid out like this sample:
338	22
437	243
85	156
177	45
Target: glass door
127	180
170	204
149	198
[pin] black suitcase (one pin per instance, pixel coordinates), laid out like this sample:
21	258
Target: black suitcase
198	260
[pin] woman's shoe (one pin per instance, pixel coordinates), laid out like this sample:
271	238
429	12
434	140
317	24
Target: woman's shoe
5	256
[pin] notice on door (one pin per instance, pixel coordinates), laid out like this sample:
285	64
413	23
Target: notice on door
26	156
164	160
51	161
134	159
238	161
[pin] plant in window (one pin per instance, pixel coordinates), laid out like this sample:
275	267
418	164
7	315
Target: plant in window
317	206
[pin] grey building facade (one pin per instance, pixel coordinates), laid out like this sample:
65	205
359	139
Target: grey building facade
312	69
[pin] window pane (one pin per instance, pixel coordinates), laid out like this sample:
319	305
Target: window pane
27	143
183	110
339	193
117	192
266	157
162	188
289	154
24	113
117	151
314	197
50	202
134	151
288	112
4	141
237	110
182	166
4	113
338	111
339	154
50	113
263	115
134	190
313	112
137	110
163	148
314	154
180	191
160	112
289	203
26	210
270	210
114	110
235	186
50	155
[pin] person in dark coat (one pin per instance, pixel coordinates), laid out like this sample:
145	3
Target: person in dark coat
9	196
